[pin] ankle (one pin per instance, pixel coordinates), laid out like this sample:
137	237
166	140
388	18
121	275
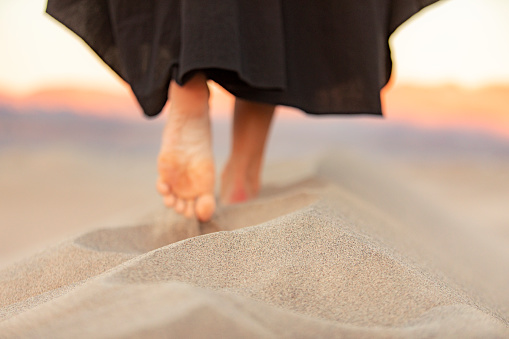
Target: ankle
191	99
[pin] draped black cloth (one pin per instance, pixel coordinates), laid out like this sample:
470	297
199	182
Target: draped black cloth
322	56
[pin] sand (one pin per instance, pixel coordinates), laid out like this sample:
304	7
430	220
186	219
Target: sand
348	244
342	251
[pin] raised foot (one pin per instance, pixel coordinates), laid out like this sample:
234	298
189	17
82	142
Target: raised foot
185	163
187	186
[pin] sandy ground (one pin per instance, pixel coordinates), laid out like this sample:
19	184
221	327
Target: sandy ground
406	239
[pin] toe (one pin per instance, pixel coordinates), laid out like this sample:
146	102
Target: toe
180	206
169	200
189	211
162	188
205	207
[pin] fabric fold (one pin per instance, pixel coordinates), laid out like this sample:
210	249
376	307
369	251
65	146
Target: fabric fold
324	57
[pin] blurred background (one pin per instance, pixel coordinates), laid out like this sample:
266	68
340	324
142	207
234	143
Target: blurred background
76	152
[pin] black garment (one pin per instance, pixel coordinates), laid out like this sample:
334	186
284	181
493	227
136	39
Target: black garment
322	56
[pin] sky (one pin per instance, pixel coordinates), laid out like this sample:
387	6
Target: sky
464	42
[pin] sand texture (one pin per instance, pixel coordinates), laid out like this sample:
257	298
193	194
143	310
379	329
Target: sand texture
346	246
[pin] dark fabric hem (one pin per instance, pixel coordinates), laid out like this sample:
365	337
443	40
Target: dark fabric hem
303	109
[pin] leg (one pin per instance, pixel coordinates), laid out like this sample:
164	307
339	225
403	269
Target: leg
185	163
241	176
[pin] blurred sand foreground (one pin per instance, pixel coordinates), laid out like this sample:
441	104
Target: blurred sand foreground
350	243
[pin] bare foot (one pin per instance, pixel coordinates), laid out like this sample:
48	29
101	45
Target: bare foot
240	180
185	163
239	183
